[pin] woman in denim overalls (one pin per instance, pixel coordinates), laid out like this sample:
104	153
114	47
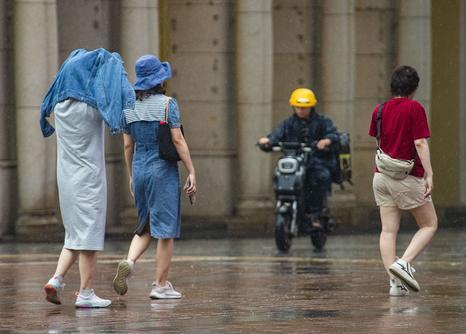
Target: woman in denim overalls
154	182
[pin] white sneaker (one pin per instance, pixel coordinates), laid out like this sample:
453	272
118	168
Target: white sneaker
53	290
405	272
120	282
164	292
397	289
91	301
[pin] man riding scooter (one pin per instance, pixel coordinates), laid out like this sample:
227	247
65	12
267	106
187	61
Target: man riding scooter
315	130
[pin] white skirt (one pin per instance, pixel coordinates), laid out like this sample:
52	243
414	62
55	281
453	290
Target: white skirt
82	185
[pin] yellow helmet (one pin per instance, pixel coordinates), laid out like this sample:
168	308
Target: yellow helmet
303	97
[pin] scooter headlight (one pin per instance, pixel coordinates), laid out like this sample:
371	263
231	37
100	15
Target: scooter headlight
287	165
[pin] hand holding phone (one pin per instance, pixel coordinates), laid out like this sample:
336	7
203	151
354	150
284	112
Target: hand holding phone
190	191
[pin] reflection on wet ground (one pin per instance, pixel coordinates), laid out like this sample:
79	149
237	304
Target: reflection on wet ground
244	286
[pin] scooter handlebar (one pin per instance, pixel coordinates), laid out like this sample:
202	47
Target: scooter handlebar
265	147
285	145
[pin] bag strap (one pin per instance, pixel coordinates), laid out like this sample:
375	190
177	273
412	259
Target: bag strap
167	104
379	124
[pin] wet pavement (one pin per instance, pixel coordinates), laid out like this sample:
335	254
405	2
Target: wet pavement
245	286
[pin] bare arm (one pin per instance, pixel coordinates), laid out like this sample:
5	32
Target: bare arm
422	148
183	151
129	151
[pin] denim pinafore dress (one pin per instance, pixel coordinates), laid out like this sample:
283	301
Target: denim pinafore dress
156	182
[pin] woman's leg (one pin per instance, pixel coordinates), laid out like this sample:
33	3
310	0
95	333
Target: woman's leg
138	246
65	261
55	285
87	296
163	256
426	219
390	217
87	262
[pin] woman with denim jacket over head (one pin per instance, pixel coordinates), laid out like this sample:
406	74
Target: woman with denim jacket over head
90	89
154	182
403	135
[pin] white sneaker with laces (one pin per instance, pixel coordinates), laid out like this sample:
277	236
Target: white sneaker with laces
124	271
397	289
53	290
92	300
405	272
164	292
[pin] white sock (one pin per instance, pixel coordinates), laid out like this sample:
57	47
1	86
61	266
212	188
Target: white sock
85	292
59	278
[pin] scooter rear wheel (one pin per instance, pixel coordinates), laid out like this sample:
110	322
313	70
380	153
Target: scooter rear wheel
283	236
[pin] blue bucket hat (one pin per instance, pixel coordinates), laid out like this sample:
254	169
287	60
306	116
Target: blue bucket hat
150	72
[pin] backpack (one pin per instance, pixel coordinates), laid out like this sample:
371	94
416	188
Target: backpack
341	161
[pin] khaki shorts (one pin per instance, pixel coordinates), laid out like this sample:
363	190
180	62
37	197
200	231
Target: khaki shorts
405	194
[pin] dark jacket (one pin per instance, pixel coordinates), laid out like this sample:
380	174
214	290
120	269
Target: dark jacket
295	129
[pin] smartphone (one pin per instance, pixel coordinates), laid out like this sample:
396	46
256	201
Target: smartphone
192	198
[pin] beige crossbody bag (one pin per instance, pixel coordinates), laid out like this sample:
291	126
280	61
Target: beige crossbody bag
397	169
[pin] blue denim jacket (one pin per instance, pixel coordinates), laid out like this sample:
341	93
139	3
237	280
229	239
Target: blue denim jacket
97	78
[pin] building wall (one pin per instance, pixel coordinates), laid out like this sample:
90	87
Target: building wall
201	52
344	50
462	147
445	113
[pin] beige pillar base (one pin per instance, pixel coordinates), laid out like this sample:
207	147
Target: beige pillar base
114	171
7	201
40	225
254	206
128	222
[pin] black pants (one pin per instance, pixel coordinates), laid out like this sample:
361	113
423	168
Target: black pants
317	186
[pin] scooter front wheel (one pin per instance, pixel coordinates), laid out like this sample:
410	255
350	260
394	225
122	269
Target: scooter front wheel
283	236
318	239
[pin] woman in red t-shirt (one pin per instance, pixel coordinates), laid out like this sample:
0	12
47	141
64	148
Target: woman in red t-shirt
403	135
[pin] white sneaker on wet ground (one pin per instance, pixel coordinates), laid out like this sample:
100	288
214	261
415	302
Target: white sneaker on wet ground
397	289
164	292
124	271
53	290
405	272
89	299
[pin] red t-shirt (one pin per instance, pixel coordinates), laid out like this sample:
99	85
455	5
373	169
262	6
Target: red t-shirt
403	121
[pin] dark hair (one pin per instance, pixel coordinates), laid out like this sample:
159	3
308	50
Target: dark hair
144	94
404	81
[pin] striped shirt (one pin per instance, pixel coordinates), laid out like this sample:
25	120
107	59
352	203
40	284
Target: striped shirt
152	109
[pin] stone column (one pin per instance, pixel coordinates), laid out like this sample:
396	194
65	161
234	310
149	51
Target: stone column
296	52
336	99
7	122
36	58
375	58
96	26
338	62
254	80
140	33
415	43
